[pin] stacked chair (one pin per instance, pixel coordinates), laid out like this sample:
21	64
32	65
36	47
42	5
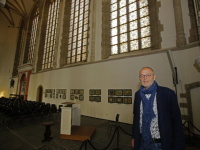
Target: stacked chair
17	112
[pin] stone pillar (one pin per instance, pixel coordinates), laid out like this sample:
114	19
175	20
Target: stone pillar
92	56
105	53
180	35
194	30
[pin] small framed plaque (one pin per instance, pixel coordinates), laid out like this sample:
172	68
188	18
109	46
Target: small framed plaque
71	97
111	92
81	91
97	92
127	100
71	91
127	92
81	97
119	100
119	92
98	98
92	92
111	99
91	98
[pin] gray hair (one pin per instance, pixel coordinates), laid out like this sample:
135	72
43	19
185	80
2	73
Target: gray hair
148	68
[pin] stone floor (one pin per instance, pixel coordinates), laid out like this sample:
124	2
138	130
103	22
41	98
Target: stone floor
28	134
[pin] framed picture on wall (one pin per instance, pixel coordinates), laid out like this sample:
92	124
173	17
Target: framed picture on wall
127	100
91	98
71	97
64	91
111	99
111	92
97	98
76	91
119	100
72	91
64	96
81	91
81	97
97	92
91	92
56	95
119	92
127	92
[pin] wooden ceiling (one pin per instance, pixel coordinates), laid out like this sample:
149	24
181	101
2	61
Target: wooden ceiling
21	8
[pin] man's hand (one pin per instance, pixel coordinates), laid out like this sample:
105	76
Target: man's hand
132	143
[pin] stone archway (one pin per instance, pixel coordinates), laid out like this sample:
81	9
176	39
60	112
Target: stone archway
22	85
39	95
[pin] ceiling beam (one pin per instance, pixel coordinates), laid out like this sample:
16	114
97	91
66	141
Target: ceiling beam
6	17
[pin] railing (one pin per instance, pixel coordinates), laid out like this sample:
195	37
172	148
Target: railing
192	137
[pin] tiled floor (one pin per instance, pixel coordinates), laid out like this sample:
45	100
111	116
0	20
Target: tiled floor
29	134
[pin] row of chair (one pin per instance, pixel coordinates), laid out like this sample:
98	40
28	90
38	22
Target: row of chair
17	110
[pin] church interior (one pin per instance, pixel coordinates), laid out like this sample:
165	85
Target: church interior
89	53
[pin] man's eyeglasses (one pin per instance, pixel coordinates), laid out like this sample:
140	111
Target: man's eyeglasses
142	76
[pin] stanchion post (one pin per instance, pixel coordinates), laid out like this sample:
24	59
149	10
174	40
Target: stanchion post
117	129
85	144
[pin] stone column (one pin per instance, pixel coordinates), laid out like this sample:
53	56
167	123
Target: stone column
105	53
180	35
92	56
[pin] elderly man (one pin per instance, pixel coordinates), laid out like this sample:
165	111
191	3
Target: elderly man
157	123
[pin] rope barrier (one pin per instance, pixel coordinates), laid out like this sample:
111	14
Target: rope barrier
125	131
107	145
85	142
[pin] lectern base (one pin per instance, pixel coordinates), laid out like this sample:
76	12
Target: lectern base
79	133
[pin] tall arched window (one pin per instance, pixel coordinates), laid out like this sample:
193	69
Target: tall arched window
130	25
78	31
19	49
50	37
33	37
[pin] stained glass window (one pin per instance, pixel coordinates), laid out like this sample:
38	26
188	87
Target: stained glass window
50	37
78	31
33	37
130	25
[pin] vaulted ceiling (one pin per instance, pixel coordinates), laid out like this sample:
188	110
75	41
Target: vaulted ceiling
12	8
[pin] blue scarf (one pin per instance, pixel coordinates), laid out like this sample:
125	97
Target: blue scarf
148	113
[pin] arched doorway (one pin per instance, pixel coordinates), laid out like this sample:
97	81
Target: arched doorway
39	93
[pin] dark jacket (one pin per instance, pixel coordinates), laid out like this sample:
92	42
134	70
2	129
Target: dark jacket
169	120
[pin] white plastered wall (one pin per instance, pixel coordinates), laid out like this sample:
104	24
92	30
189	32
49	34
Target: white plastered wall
8	45
115	74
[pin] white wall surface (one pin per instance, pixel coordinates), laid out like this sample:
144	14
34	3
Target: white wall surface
115	74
